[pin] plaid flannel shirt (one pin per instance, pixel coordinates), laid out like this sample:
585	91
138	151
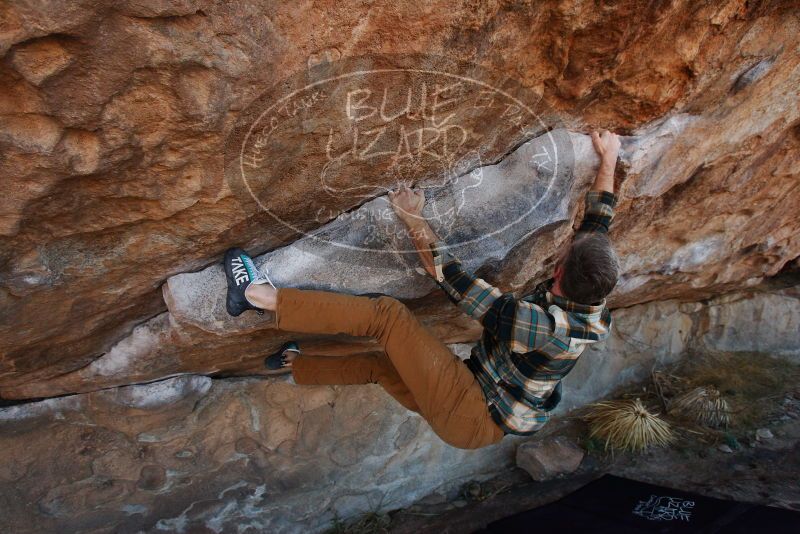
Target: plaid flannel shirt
528	344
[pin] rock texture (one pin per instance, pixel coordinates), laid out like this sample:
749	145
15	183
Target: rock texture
125	133
190	454
193	454
549	458
114	119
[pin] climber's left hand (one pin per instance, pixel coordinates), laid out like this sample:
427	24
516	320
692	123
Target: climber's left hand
408	204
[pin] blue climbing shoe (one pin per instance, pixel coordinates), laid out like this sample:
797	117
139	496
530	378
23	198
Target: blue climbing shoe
241	272
276	363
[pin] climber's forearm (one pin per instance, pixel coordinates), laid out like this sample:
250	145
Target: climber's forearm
422	235
605	175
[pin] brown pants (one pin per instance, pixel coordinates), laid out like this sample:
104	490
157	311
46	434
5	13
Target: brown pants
416	368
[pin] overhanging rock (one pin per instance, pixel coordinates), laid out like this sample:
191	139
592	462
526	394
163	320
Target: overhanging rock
482	214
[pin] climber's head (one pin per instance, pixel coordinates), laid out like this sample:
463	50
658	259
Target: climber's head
587	271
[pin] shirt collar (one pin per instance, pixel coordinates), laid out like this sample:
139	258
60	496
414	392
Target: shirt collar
543	289
575	307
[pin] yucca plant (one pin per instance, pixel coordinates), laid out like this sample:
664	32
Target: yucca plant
627	425
704	405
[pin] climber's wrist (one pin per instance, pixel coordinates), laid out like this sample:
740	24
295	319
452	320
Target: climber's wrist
605	175
414	222
608	163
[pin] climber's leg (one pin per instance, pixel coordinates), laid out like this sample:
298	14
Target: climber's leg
368	368
445	390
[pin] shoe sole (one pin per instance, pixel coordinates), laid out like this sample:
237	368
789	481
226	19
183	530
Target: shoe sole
233	289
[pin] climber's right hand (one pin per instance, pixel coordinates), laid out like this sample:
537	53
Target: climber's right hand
606	144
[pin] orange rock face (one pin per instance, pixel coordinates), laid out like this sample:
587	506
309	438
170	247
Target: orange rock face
114	122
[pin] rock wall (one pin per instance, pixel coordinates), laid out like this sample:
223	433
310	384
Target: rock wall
191	454
114	118
120	124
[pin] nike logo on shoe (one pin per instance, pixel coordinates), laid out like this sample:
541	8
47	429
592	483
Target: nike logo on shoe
239	271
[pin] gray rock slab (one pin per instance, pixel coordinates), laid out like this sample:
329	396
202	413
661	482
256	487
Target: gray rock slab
764	322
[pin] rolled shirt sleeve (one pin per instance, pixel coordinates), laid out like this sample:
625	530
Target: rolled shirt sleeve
599	211
506	318
473	295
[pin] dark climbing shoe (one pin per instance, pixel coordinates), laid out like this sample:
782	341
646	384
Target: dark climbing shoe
241	272
276	363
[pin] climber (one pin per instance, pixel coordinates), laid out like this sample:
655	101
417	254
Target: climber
511	381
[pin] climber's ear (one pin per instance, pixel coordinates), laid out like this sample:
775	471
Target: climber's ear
559	272
559	268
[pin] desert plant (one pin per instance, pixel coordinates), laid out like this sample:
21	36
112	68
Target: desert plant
704	405
627	425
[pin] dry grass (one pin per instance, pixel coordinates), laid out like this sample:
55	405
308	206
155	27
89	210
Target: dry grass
704	405
627	425
707	399
751	385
